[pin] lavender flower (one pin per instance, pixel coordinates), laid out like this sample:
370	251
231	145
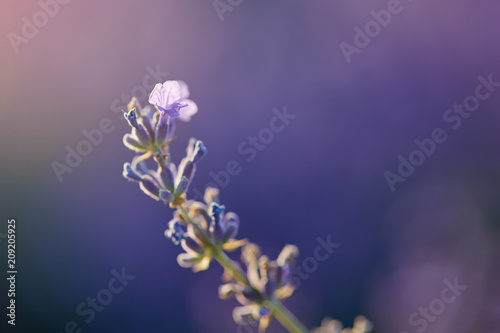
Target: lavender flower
152	132
167	183
175	232
205	230
140	138
153	129
213	230
267	280
147	182
171	98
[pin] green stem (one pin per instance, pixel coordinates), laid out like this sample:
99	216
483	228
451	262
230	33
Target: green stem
284	316
194	225
227	263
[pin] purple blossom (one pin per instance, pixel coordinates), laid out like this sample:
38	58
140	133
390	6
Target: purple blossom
171	98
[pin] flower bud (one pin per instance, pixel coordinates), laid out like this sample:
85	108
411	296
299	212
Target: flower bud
188	168
227	290
249	253
148	125
130	174
190	245
166	196
138	129
215	212
285	275
188	260
149	187
275	273
162	129
231	226
182	186
167	177
199	152
288	254
211	195
246	314
217	233
175	232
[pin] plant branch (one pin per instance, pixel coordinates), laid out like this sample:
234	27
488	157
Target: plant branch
284	316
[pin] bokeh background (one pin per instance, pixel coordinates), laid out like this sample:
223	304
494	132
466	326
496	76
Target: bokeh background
322	175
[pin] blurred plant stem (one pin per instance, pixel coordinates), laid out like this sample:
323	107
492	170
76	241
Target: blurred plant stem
284	316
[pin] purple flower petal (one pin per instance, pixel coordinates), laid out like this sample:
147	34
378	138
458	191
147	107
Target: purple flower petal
188	111
184	89
171	98
165	95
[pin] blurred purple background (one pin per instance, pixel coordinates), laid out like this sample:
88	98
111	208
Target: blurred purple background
322	175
